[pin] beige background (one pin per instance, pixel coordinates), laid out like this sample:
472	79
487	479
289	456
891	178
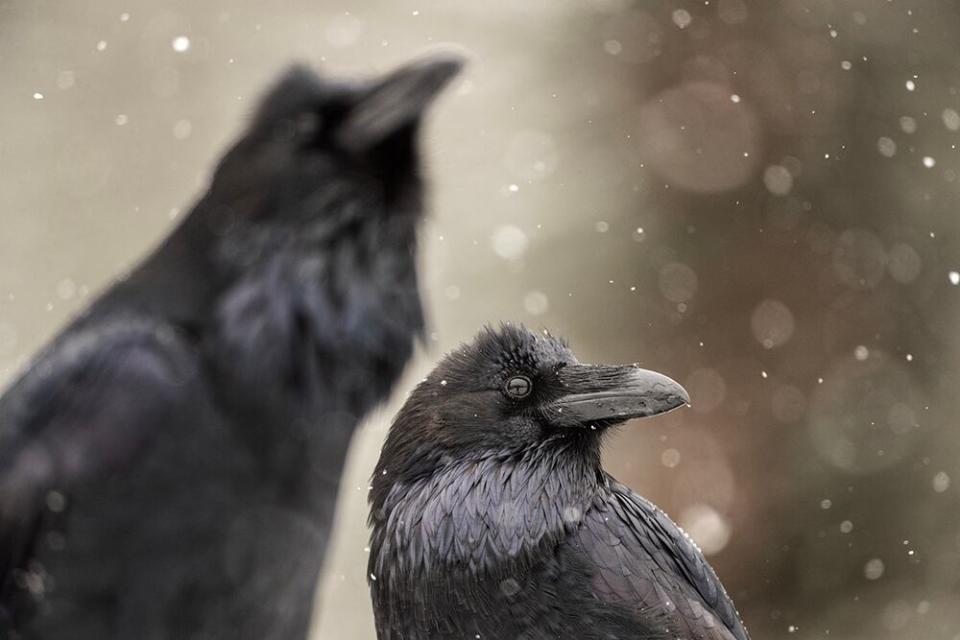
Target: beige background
759	199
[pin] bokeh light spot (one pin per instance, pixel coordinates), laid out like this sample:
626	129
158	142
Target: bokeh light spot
696	138
772	323
707	527
678	282
509	242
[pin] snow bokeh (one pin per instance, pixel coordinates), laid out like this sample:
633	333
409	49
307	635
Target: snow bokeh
758	199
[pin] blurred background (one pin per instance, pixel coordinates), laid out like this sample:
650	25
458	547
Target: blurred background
759	199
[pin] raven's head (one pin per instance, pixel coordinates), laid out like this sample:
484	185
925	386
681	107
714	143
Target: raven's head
320	157
509	392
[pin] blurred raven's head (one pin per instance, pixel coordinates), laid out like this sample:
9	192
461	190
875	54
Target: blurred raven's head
511	391
321	156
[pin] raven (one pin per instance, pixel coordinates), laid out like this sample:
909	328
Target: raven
493	518
169	463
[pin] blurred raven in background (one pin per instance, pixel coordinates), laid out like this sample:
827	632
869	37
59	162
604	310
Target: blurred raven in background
493	518
169	464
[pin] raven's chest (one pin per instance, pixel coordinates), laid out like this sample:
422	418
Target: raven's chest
539	600
327	336
472	552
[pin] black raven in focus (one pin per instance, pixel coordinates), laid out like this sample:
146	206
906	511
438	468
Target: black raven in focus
492	517
169	464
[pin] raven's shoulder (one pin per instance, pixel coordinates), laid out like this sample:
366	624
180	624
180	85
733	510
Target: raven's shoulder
113	357
642	560
83	409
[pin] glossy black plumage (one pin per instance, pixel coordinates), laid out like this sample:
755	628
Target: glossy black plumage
169	464
492	517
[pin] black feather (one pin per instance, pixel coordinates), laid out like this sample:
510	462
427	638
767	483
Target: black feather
492	519
169	464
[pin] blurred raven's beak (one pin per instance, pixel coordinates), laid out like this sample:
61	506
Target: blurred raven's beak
608	395
398	100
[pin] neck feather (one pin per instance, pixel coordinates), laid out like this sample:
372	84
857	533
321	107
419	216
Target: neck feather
479	514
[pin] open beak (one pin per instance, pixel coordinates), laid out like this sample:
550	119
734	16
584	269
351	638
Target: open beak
607	395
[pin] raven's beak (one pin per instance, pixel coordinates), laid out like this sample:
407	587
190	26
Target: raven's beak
398	100
607	395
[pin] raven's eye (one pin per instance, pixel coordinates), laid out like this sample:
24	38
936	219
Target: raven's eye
519	387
